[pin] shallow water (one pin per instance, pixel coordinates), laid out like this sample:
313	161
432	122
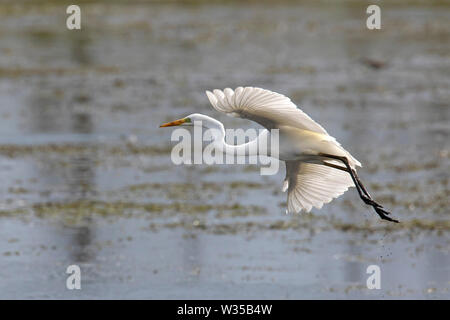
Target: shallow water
87	176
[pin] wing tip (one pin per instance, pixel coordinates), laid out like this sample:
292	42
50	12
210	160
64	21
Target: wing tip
212	98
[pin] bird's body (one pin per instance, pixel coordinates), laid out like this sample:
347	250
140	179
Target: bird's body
298	144
318	168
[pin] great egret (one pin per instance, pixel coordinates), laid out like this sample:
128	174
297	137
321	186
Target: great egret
318	168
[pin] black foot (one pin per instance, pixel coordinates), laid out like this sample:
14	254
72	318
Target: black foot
383	214
371	202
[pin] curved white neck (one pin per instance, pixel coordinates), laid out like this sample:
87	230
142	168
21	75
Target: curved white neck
218	132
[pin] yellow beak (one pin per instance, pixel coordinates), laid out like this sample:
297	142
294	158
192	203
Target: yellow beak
173	123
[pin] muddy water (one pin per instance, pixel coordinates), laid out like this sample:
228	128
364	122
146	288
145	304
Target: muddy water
87	177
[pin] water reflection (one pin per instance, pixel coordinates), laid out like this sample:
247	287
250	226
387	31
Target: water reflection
81	180
54	113
191	259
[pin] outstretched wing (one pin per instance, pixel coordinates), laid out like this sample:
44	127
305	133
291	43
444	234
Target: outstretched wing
269	109
311	185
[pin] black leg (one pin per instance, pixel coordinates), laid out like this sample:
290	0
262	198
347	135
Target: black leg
364	189
363	194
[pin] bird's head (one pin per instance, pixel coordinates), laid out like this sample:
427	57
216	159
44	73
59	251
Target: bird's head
190	120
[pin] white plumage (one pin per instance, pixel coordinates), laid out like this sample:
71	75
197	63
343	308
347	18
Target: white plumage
313	185
269	109
308	184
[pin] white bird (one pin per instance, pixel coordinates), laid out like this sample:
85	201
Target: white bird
318	168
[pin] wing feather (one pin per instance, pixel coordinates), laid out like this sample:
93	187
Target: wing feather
313	185
268	108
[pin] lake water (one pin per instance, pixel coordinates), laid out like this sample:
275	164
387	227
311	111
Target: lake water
87	177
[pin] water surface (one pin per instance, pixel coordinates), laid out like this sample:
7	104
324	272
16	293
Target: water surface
87	176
